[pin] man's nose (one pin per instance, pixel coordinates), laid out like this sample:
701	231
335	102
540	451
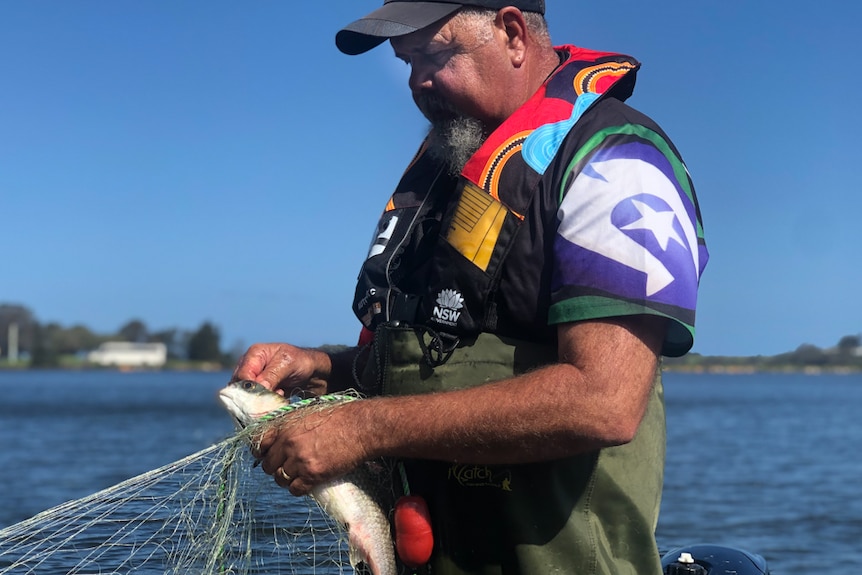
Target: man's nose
420	79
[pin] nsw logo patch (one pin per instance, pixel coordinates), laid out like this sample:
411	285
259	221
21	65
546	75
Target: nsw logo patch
448	307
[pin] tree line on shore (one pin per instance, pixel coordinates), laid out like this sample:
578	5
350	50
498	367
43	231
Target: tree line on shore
49	344
845	356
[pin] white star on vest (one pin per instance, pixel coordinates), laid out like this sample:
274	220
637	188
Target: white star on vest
659	223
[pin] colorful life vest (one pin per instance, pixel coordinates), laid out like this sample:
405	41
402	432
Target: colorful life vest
440	243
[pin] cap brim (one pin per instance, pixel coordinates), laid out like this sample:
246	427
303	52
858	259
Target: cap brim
393	19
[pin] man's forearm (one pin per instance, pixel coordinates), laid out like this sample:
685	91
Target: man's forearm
548	414
595	399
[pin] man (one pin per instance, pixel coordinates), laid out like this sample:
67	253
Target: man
541	252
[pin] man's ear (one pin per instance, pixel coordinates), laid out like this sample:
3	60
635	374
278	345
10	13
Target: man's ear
511	20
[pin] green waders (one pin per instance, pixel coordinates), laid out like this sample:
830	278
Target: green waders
585	515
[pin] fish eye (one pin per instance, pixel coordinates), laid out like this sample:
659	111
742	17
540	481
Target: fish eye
247	385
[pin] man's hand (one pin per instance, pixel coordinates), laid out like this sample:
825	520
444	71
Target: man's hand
284	368
307	449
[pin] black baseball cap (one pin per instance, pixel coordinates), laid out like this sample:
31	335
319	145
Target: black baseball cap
400	17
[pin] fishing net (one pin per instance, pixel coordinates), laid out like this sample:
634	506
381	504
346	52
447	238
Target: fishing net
209	513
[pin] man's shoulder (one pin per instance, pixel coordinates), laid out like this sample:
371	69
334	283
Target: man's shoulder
611	111
607	121
611	128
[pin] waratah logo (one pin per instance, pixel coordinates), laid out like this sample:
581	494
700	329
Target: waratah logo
449	302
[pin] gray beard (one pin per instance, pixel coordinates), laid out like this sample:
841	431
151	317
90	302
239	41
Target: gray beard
454	137
454	141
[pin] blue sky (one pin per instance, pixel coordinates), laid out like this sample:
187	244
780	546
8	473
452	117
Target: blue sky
188	161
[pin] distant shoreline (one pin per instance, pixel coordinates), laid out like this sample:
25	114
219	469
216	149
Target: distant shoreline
667	367
171	367
751	369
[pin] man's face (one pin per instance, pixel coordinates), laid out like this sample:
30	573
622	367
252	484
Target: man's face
454	84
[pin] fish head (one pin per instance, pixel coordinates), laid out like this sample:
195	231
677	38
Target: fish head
248	401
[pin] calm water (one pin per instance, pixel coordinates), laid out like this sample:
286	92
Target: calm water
770	463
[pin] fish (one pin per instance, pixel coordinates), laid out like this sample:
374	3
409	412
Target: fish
352	500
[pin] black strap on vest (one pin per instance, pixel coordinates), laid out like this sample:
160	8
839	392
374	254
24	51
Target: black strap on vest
404	307
439	348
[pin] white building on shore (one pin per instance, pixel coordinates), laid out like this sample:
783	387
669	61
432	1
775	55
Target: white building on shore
128	354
